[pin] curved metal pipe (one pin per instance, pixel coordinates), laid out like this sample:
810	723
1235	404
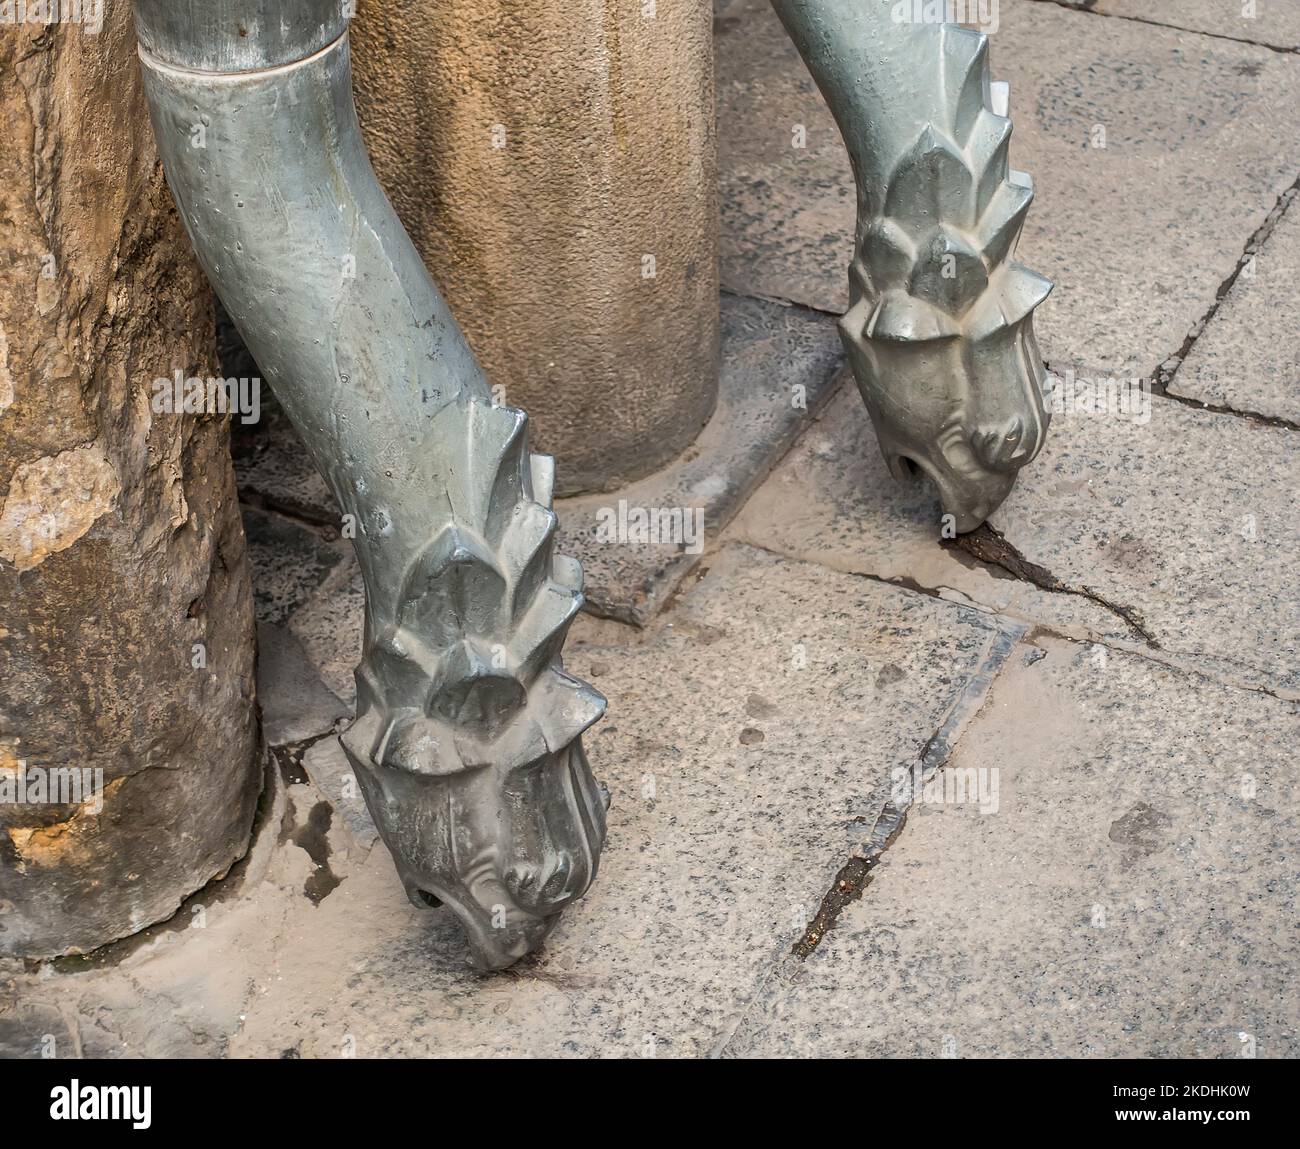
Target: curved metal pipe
939	330
467	738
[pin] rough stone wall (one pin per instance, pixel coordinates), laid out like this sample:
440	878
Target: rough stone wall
539	154
122	561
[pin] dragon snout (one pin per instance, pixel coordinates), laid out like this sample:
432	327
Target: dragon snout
1007	447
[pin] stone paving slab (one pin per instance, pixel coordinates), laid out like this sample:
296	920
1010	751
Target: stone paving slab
34	1030
833	501
1132	895
1179	522
294	702
1273	22
330	625
1138	235
291	559
747	740
1248	357
1170	532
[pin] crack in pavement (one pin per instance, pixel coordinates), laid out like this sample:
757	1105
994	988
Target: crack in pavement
1086	7
989	547
1184	661
1167	372
288	756
853	878
900	582
1222	409
302	513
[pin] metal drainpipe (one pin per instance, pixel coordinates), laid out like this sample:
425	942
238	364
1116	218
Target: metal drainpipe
939	330
467	737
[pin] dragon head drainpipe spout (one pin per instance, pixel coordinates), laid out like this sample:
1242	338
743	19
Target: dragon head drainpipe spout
467	740
939	330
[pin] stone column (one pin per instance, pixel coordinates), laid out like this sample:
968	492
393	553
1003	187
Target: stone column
126	630
555	164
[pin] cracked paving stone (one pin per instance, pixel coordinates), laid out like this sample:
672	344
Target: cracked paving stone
331	773
1127	891
295	703
832	501
1248	358
719	848
1175	524
330	625
1275	22
1137	236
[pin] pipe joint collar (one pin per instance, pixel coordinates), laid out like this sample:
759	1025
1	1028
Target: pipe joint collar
238	35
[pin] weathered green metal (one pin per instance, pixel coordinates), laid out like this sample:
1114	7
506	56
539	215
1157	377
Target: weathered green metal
939	330
467	741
